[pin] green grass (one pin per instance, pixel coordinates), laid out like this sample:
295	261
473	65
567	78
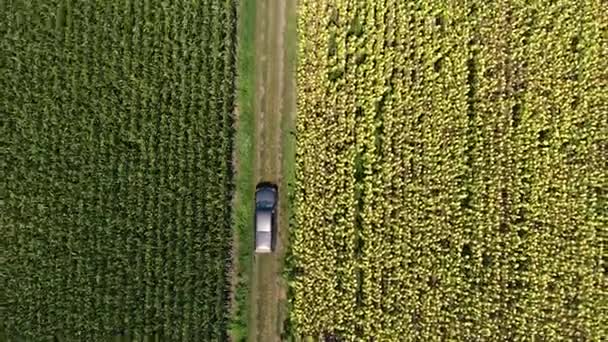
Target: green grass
289	159
244	181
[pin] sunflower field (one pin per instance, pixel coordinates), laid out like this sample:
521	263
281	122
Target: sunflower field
452	170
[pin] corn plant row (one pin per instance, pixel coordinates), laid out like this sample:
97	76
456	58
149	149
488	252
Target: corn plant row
116	145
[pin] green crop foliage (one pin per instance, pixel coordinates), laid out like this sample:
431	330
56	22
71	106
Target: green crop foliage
115	156
451	170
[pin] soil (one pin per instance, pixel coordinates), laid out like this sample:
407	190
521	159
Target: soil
274	95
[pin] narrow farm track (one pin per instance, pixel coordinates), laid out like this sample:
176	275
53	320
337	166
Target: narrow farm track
268	290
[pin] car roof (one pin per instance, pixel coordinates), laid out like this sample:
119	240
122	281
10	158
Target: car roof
263	220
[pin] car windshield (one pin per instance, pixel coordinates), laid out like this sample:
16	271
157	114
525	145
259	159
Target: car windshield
265	204
265	198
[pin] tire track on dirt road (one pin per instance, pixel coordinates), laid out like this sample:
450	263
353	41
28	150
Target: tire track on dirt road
268	294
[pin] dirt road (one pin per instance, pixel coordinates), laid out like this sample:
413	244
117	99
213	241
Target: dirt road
273	106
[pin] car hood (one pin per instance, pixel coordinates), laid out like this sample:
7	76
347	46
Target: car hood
265	198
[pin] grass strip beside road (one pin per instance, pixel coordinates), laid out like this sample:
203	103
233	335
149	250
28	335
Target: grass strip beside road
289	147
244	178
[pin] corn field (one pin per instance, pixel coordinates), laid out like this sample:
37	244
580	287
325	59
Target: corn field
115	161
451	170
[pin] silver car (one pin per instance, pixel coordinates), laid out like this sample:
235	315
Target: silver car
265	221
